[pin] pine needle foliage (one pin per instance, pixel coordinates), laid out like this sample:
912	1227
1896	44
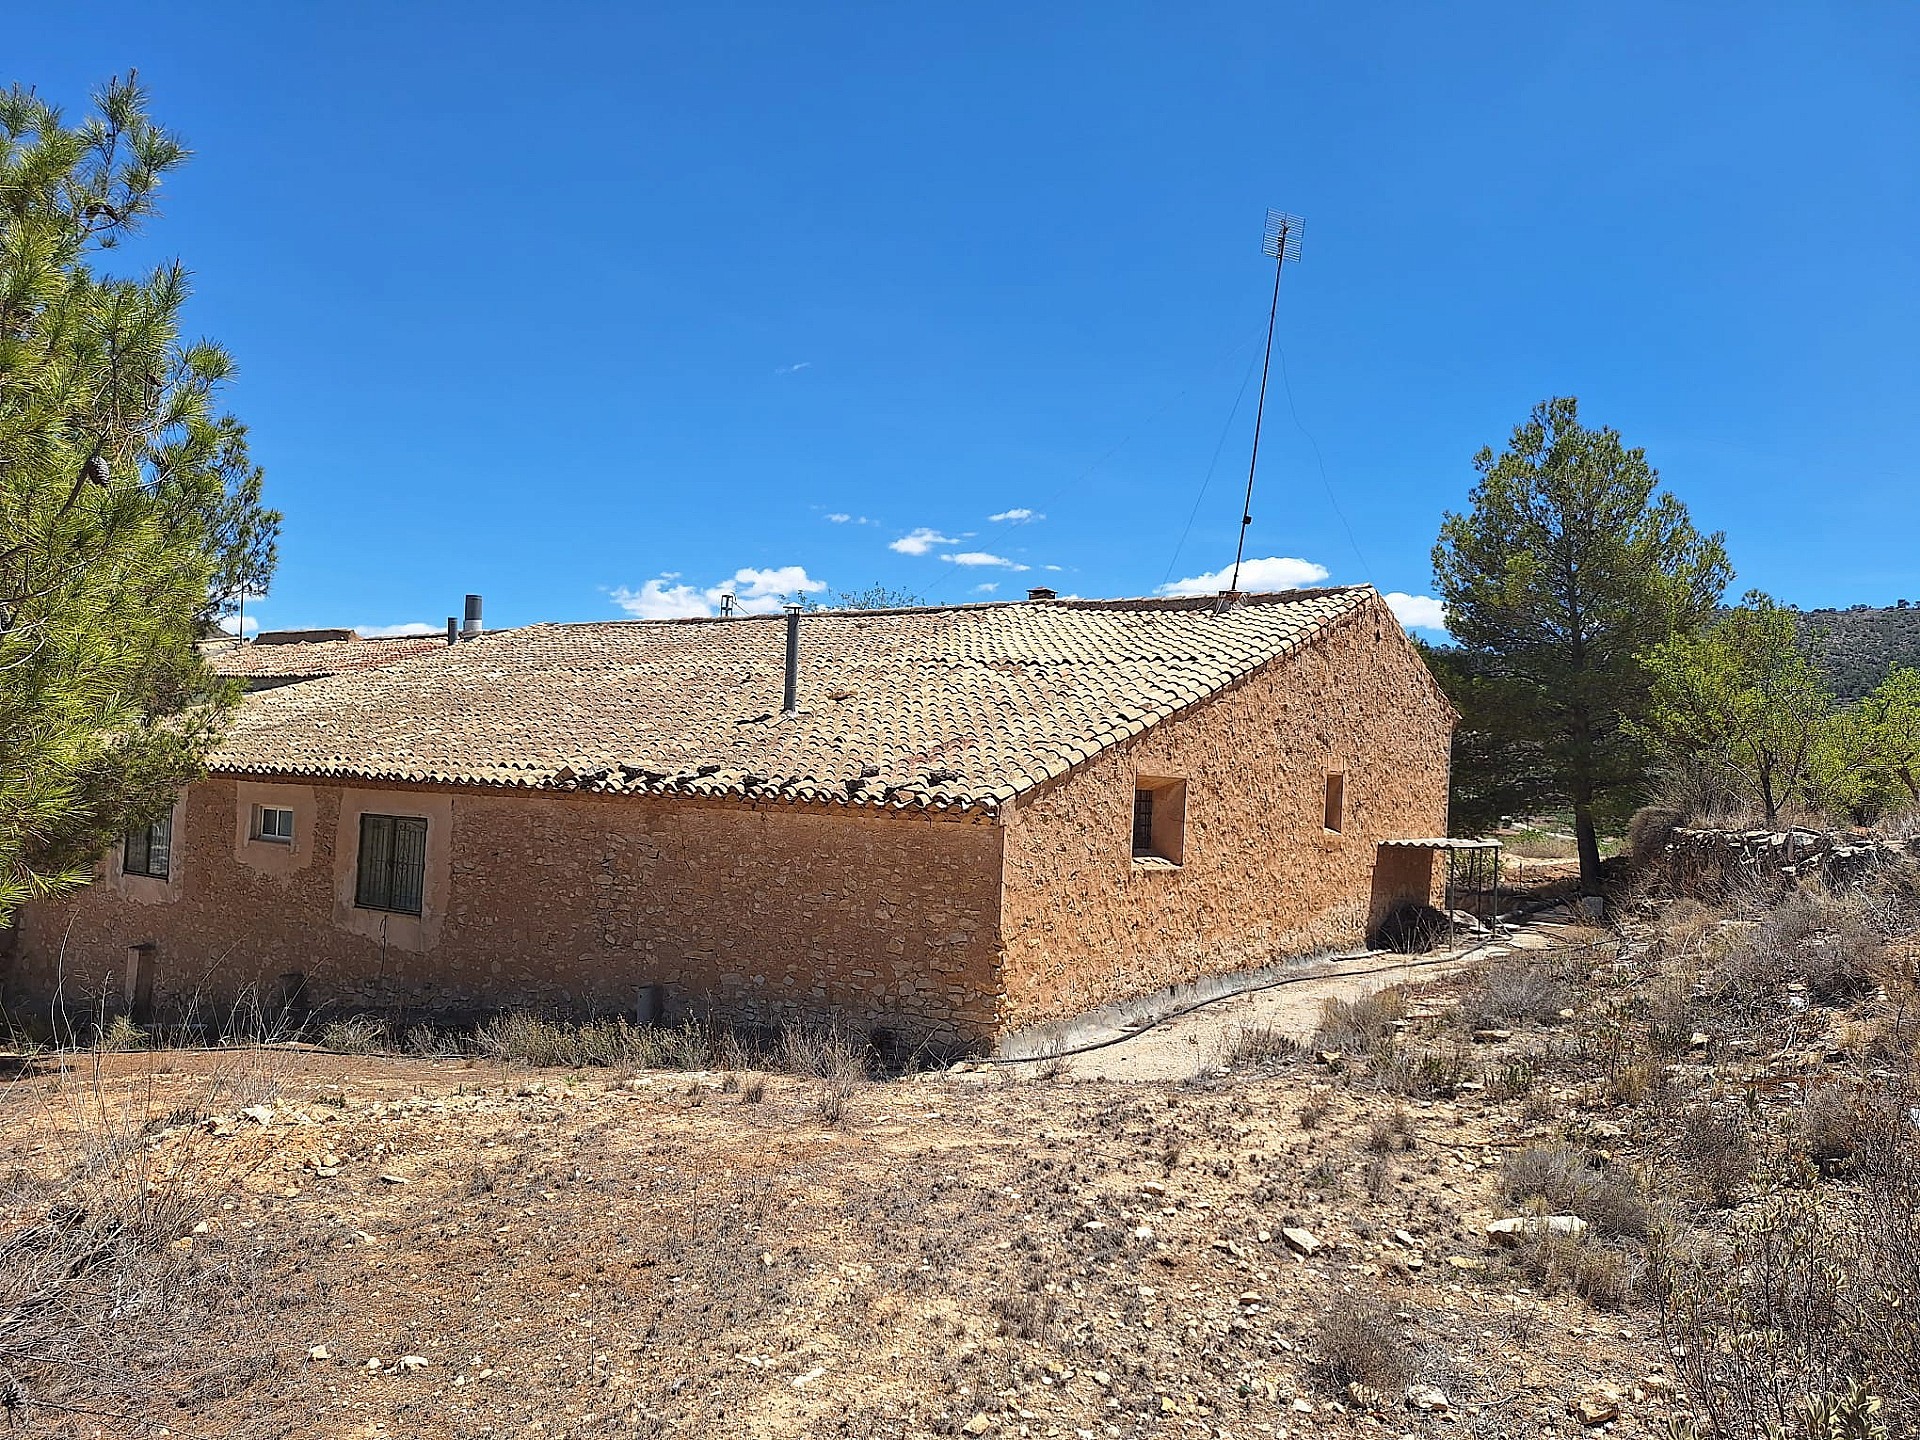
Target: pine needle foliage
130	511
1565	570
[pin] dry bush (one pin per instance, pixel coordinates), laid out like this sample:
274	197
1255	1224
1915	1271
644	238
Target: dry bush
1424	1073
1519	988
1314	1109
753	1090
1362	1025
354	1035
1360	1341
1258	1045
1826	943
1833	1124
833	1053
1715	1148
1649	832
1569	1181
616	1043
1391	1134
1606	1275
110	1305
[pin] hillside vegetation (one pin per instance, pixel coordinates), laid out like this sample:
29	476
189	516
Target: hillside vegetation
1855	648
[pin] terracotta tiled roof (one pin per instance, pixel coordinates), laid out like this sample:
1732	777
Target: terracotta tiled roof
963	706
312	659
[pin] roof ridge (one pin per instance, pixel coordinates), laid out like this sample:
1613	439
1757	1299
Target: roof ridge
1070	602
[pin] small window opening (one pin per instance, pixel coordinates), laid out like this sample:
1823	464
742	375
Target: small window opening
148	849
1336	803
393	863
273	822
1159	822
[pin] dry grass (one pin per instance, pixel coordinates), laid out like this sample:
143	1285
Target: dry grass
1361	1341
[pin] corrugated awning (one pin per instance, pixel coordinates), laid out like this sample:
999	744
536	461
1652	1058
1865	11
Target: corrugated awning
1445	843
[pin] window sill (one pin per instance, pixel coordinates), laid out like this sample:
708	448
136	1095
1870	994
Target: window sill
270	839
1154	862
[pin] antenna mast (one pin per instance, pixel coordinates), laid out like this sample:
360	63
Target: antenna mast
1282	244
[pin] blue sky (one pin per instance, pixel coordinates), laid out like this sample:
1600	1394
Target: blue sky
601	309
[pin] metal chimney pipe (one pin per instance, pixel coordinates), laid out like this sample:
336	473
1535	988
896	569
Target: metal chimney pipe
453	630
792	701
472	626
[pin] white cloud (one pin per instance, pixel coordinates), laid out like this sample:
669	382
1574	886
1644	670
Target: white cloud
841	517
1275	572
919	542
755	592
1418	612
793	369
981	557
1017	516
1053	567
235	625
986	589
390	632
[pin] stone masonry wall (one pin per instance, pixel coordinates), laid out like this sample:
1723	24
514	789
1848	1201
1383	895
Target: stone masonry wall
563	903
1260	877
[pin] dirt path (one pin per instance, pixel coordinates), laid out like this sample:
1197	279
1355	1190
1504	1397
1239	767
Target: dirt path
1178	1047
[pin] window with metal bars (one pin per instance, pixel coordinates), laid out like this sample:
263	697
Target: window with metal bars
393	863
1143	822
148	849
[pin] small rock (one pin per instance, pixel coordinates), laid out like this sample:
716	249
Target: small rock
1405	1241
319	1352
979	1424
1153	1187
1426	1399
413	1362
1249	1297
1699	1040
1492	1037
800	1382
1595	1409
390	1178
1301	1242
259	1114
1102	1379
1515	1228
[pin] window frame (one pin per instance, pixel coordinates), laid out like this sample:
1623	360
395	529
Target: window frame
1333	812
271	837
383	868
1161	801
145	836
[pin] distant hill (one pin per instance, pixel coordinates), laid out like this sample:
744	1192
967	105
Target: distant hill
1856	647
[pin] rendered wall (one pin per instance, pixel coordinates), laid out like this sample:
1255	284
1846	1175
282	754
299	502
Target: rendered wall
1260	876
566	904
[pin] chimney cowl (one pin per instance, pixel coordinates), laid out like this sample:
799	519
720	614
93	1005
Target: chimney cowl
1041	592
472	625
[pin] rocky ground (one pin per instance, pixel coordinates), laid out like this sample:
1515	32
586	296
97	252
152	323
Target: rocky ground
1286	1241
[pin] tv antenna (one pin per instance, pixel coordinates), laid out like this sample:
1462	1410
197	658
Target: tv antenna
1281	245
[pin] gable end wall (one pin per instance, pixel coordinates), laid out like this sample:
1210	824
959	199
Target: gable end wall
1082	925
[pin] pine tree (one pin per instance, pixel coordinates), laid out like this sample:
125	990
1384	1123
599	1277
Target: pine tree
130	512
1565	571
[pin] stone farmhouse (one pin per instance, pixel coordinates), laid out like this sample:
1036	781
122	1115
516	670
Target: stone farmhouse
943	823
